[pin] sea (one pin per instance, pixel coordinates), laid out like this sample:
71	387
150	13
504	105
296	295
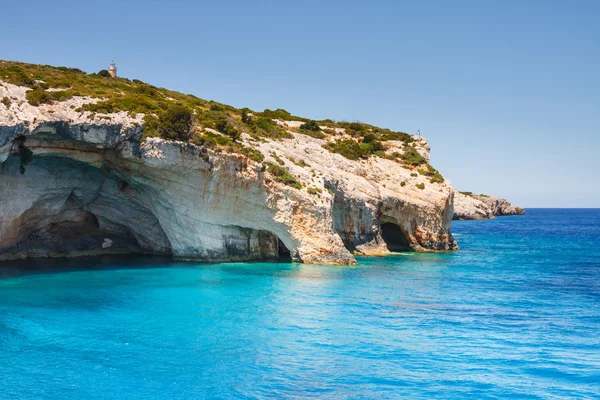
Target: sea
515	314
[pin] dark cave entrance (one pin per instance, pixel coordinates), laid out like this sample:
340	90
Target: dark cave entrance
394	238
283	253
91	211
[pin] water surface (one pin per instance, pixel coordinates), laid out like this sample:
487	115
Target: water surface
514	314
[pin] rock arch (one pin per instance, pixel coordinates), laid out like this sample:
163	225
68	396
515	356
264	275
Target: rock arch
394	237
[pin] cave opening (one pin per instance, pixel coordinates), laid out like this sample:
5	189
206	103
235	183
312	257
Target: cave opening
85	210
283	253
394	238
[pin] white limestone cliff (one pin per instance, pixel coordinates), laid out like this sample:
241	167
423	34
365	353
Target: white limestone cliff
94	187
471	206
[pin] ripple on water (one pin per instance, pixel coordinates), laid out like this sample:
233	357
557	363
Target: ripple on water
515	314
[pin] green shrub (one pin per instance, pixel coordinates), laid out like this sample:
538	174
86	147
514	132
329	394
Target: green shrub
246	118
226	127
6	101
387	134
315	134
403	183
134	103
300	163
37	97
17	76
175	123
281	114
314	190
352	150
253	154
263	123
282	175
467	193
145	90
347	148
412	157
267	128
432	173
420	186
310	126
370	145
353	128
104	73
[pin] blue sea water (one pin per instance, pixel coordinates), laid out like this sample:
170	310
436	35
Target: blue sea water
514	314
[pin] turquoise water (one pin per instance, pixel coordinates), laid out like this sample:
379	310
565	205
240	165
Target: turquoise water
514	314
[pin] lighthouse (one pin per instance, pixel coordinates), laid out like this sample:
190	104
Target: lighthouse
112	70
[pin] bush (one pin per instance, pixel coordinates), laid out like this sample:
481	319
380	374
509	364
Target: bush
253	154
17	76
175	123
267	128
246	118
412	157
420	186
310	126
352	150
314	190
226	127
370	144
387	134
433	173
347	148
104	73
36	97
282	175
6	101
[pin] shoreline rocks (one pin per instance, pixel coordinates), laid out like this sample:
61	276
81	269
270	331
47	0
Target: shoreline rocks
468	206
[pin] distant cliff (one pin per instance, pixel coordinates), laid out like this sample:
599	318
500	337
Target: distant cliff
471	206
96	165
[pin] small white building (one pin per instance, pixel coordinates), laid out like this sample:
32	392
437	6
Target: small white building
112	70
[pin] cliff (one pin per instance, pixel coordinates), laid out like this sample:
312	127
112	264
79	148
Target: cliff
84	172
471	206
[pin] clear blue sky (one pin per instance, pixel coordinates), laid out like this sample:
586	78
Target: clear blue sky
507	92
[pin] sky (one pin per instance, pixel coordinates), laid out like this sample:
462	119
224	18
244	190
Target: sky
506	92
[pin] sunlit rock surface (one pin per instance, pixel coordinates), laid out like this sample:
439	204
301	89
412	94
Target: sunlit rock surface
93	187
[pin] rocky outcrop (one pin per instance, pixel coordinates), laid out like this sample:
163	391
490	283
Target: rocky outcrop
93	186
473	207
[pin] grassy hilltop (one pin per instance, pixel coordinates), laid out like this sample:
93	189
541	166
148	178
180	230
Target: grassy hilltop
185	117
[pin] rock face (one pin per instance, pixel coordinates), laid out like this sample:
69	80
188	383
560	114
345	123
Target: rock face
471	206
94	186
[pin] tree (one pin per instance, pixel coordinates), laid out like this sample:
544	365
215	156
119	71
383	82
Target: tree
224	126
246	118
104	73
310	126
175	123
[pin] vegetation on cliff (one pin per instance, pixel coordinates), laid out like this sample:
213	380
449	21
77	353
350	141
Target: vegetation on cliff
185	117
